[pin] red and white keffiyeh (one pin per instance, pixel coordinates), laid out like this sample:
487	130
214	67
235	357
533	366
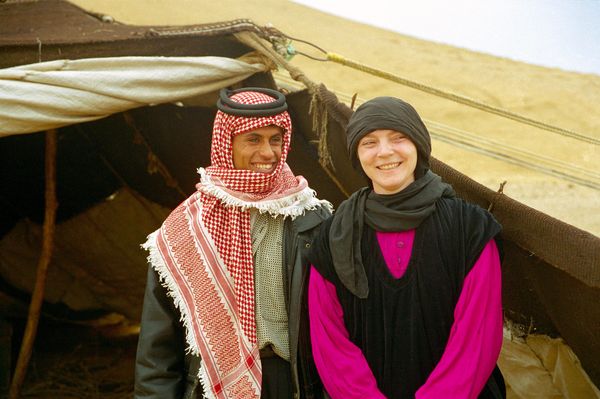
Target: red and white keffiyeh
203	253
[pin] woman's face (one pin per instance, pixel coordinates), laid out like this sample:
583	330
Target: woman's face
389	159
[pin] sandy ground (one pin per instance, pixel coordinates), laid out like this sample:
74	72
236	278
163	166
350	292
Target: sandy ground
565	99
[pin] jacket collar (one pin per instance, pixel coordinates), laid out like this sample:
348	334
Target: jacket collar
310	219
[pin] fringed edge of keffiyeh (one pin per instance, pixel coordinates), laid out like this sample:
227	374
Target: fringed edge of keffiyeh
203	377
293	205
158	264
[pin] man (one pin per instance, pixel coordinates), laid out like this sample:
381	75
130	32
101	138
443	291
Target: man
227	268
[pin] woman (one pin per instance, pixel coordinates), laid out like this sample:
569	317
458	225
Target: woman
404	293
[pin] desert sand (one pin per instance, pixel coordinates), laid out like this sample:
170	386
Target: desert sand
565	99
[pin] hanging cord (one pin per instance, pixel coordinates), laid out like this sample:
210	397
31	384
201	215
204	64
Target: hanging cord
281	52
317	106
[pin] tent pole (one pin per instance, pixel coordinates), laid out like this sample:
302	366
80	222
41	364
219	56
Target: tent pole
40	281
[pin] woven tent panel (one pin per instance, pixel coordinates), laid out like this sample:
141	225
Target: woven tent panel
65	31
561	245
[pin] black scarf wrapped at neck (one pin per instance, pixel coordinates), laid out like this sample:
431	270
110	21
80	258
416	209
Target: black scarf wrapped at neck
404	210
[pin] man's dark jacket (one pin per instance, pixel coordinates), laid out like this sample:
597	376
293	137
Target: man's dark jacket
164	371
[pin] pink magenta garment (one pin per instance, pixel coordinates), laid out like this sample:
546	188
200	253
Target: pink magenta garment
472	349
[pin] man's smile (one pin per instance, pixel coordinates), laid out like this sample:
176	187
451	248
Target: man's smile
263	167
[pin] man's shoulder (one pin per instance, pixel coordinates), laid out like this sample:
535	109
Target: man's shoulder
311	218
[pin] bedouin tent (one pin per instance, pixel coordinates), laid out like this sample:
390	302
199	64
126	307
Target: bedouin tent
52	94
128	150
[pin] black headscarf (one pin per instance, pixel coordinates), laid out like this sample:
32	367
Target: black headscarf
394	114
404	210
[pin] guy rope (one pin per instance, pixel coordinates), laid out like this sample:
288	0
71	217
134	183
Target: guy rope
459	99
281	51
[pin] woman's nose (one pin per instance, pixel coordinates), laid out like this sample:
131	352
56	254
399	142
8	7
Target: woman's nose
385	148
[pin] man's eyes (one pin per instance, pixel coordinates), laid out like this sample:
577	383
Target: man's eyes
257	140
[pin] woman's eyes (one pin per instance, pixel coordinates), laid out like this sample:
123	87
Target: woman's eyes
393	139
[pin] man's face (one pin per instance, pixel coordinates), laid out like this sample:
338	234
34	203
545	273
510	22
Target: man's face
258	150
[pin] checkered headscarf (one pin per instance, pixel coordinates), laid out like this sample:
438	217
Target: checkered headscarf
226	127
230	226
203	252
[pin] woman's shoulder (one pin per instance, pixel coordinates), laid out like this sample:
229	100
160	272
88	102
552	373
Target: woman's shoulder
466	215
461	206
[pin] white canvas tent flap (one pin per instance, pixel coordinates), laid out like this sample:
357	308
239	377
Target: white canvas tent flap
51	94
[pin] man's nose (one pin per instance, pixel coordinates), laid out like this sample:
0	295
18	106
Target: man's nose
266	151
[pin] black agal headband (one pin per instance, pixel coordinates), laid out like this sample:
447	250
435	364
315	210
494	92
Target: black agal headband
229	106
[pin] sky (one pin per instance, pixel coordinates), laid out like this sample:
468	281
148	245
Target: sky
562	34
